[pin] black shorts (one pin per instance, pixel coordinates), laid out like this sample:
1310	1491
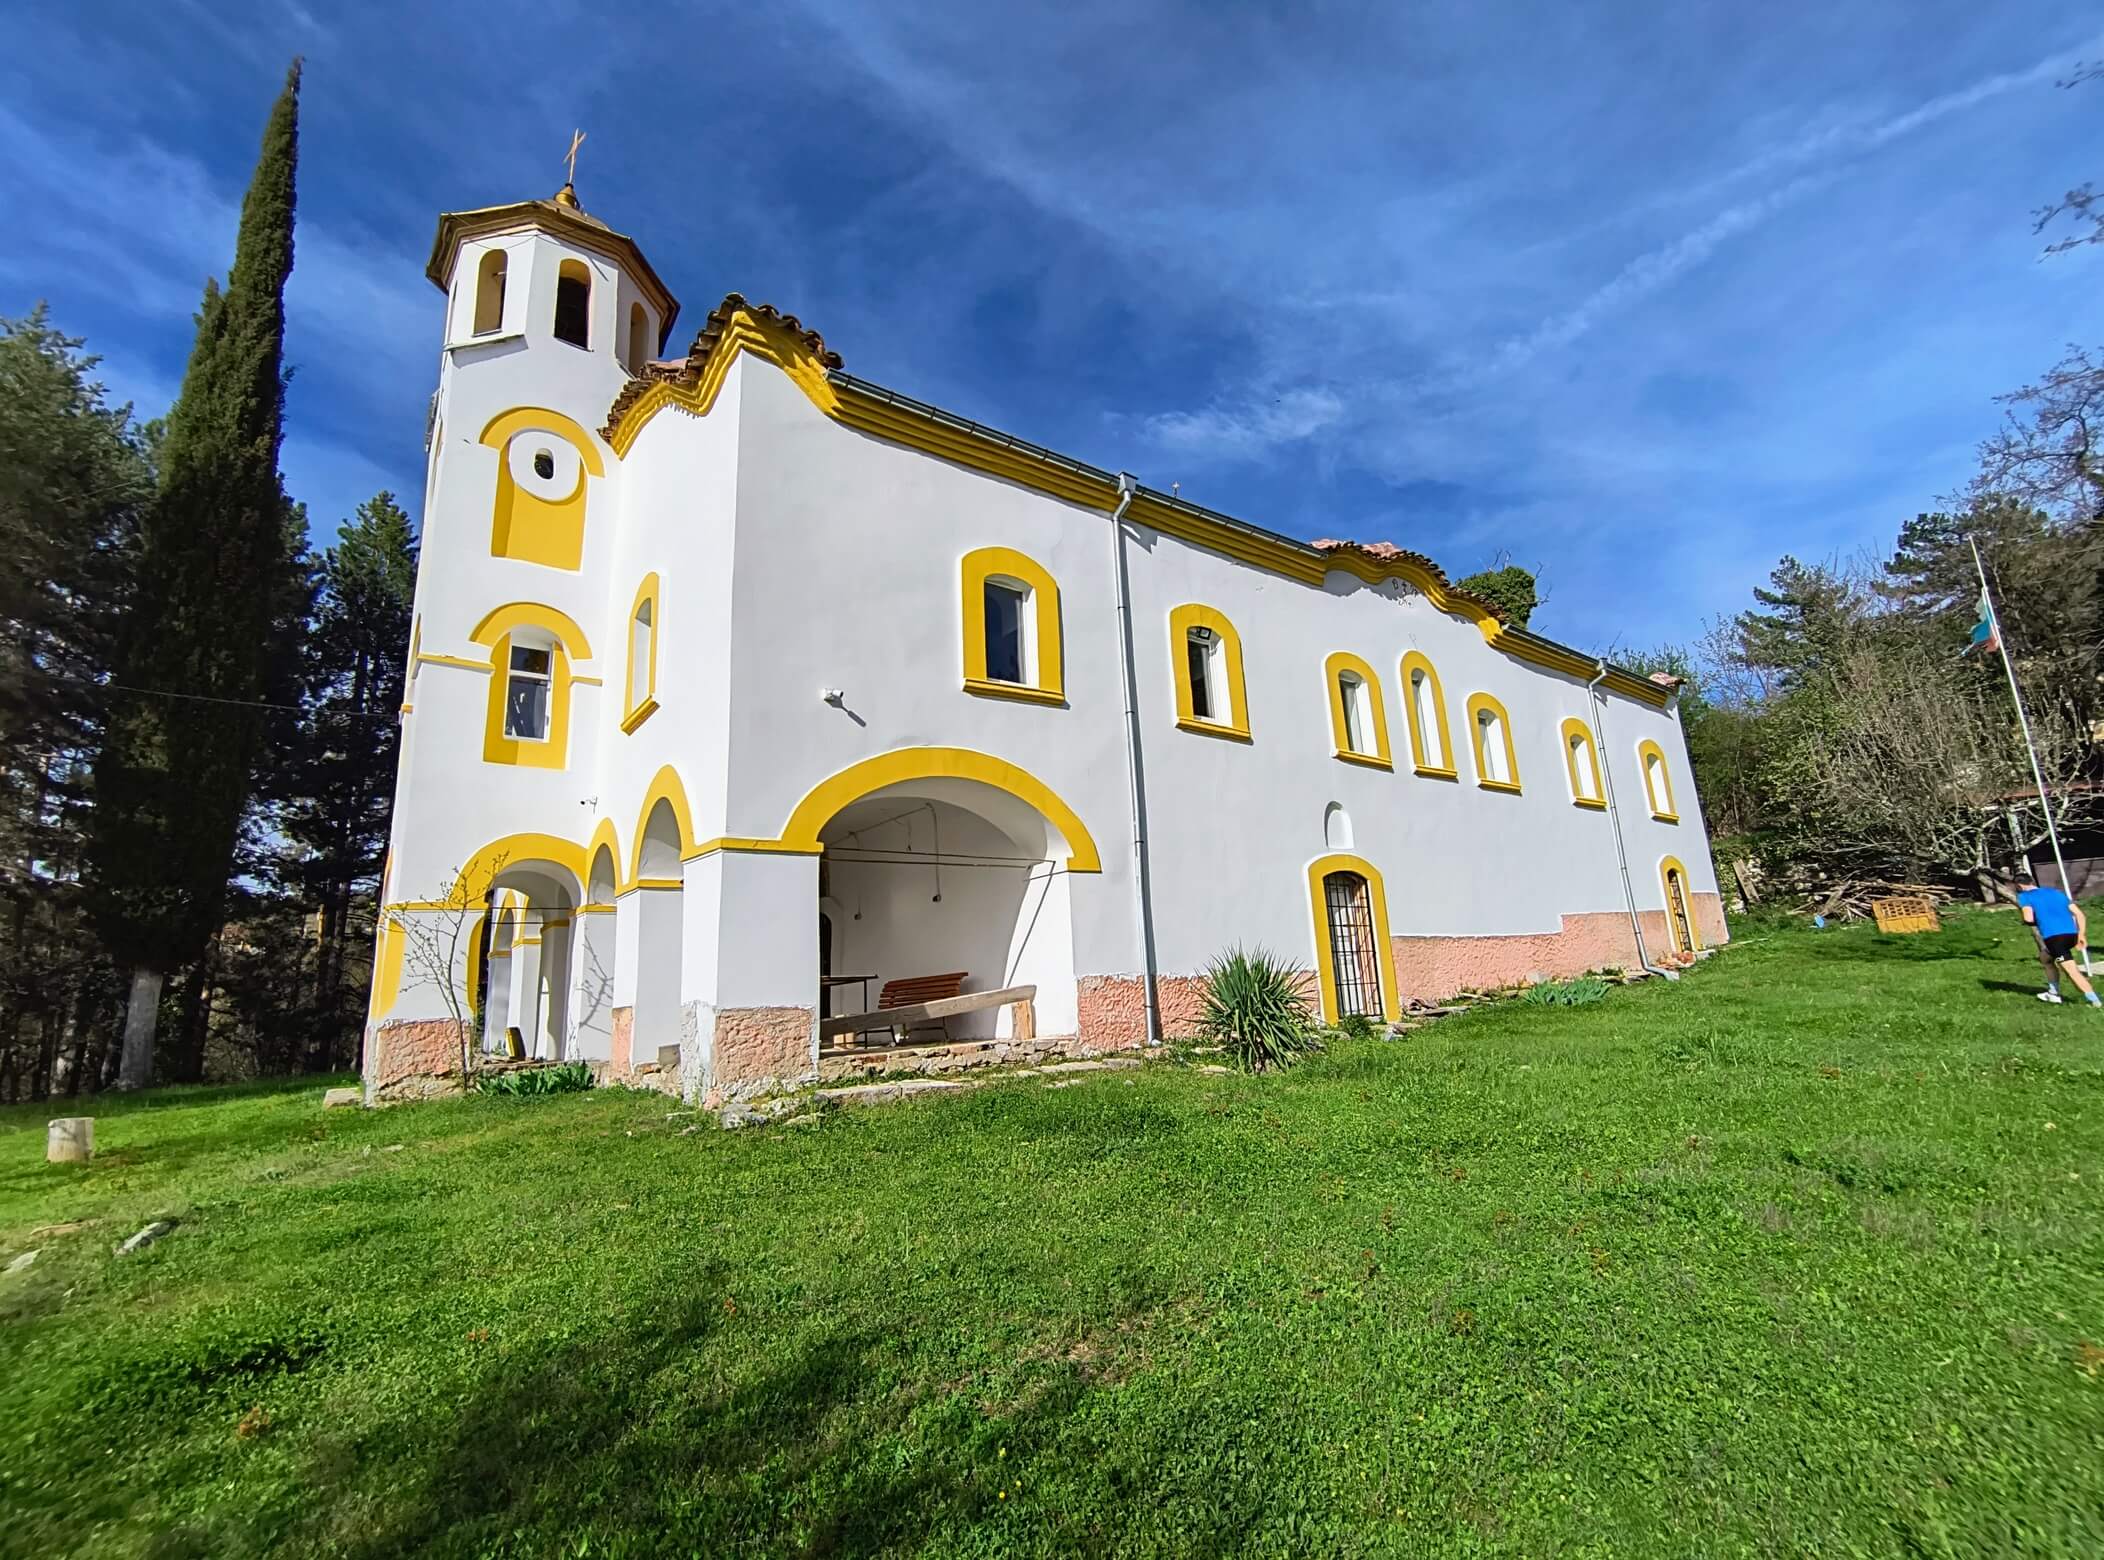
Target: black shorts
2061	947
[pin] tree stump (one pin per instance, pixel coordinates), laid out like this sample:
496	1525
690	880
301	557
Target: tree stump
71	1140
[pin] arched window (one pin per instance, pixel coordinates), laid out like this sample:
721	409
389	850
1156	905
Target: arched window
1358	720
1431	748
1205	655
1497	767
1658	784
573	303
532	650
1354	961
1680	911
1011	628
1583	762
638	339
489	292
640	700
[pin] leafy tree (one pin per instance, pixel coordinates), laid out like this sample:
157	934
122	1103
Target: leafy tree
1510	589
196	649
73	475
1798	624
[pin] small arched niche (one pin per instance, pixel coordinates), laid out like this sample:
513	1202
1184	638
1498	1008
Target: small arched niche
1336	827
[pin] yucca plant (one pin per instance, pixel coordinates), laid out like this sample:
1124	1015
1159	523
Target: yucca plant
1256	1010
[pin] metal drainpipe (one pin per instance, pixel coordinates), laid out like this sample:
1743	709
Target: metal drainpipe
1595	703
1142	899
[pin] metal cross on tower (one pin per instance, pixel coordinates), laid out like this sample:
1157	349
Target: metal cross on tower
570	157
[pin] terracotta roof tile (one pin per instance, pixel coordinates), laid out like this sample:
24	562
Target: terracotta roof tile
1388	552
688	370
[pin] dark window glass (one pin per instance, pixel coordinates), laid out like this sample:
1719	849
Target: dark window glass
1354	962
1201	684
573	307
1004	633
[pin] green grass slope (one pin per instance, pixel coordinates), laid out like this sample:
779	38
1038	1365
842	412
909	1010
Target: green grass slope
1800	1255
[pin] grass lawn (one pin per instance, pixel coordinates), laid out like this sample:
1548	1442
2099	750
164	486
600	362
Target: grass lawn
1799	1256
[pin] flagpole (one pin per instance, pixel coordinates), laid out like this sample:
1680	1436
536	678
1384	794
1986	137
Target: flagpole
2023	721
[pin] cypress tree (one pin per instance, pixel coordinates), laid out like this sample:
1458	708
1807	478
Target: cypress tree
197	645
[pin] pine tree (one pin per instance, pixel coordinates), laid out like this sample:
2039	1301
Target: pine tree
339	784
197	644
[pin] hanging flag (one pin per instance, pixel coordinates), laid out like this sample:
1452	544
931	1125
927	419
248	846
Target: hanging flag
1984	634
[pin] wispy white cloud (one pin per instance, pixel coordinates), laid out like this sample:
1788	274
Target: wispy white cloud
1248	428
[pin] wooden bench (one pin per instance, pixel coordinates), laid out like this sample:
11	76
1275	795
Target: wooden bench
923	1001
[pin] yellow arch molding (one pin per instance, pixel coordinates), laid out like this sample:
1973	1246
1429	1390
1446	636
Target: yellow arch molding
526	526
604	837
874	412
1344	661
499	621
502	427
826	798
1325	959
664	787
1480	704
1578	738
1413	665
1647	754
1181	621
1047	683
1669	868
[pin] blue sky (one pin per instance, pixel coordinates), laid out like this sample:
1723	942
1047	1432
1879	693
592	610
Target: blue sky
1641	295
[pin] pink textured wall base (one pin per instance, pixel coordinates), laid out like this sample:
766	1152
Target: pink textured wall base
1113	1009
1431	969
415	1048
623	1039
756	1048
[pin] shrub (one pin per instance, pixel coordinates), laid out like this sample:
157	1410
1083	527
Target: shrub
1357	1026
564	1078
1566	993
1256	1010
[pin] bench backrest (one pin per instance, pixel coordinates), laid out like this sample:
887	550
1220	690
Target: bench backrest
921	988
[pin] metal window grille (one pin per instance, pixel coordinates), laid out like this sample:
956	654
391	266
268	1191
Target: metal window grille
1352	956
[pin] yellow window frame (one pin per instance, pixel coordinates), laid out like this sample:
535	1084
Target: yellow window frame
1646	751
1340	662
1048	664
1384	949
1182	620
1576	734
1668	868
1420	755
1478	705
495	633
637	710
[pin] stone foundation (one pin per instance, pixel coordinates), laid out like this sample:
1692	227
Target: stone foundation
1431	969
758	1049
413	1059
946	1057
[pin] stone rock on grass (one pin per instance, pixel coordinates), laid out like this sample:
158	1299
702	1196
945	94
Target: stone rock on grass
19	1265
146	1237
885	1093
336	1099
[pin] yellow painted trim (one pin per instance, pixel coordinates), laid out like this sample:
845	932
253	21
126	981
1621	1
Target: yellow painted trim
870	411
739	844
604	836
532	614
526	942
588	682
638	710
664	787
856	781
407	709
1477	704
1384	949
416	645
1574	733
1048	681
460	661
498	953
595	910
658	883
1420	757
524	525
1667	867
495	631
387	966
1646	751
1342	661
1181	621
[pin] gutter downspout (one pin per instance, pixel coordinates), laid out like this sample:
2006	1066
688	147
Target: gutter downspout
1595	704
1142	895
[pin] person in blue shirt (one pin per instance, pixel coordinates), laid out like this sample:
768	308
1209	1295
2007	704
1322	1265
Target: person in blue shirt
2057	922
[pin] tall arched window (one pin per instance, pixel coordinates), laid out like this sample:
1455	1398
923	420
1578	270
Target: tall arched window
1658	783
640	700
1205	655
1011	628
1497	766
489	292
533	649
638	338
1583	763
573	303
1358	720
1680	910
1354	959
1431	748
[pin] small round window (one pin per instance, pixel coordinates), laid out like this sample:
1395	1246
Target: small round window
544	465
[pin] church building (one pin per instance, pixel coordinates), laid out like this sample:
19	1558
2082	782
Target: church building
762	720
